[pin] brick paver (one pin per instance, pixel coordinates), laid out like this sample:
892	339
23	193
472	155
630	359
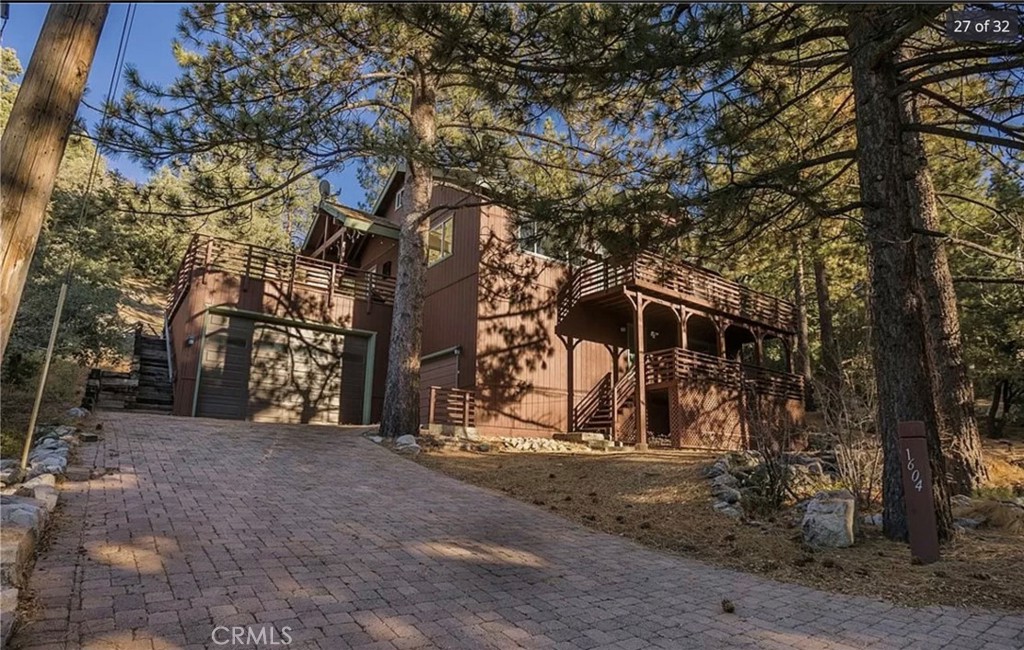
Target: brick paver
203	523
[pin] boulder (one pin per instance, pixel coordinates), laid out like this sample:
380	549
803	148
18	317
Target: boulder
376	439
829	520
78	412
405	440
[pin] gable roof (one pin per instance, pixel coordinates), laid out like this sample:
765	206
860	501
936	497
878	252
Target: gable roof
354	219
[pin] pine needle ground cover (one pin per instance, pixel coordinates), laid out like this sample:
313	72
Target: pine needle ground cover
660	500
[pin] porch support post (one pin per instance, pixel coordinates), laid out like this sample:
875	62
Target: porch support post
683	315
614	353
570	398
759	348
641	382
791	343
720	336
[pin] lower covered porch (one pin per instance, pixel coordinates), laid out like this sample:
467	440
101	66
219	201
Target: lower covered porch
683	377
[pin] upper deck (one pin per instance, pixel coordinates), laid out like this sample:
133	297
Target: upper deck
602	282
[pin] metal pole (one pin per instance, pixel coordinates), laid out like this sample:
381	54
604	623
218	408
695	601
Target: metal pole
46	371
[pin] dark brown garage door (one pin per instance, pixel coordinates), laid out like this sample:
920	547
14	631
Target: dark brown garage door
270	372
224	382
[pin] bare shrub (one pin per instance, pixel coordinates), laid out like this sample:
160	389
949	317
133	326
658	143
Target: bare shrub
770	485
850	433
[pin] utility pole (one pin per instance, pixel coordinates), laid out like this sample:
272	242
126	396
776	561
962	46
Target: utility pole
35	138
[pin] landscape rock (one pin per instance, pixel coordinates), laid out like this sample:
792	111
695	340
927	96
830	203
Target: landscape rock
872	520
724	480
22	511
729	510
17	548
829	520
46	494
727	494
10	475
78	412
968	522
483	447
88	436
43	479
407	445
8	612
376	439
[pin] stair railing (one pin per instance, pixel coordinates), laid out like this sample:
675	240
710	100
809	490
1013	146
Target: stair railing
592	401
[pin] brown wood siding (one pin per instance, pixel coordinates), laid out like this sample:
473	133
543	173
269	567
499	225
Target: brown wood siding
442	372
218	289
521	365
450	300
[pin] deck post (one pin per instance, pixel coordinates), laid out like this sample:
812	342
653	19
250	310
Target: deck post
614	352
720	337
570	380
248	270
430	408
465	410
759	349
641	381
683	315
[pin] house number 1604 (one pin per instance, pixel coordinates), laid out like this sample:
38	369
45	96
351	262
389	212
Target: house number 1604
915	474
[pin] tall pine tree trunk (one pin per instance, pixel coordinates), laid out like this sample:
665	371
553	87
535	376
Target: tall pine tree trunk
898	340
401	414
803	354
35	138
952	388
831	363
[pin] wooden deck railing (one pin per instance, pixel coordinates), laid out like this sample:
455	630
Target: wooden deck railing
250	262
452	406
677	364
681	280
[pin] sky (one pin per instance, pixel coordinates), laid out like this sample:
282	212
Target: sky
148	49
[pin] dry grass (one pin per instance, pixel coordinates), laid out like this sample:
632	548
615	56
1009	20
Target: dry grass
65	387
660	500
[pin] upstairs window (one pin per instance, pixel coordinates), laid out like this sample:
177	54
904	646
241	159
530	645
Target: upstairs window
399	198
439	240
533	241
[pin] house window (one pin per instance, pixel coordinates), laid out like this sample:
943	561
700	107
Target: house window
533	241
399	198
439	240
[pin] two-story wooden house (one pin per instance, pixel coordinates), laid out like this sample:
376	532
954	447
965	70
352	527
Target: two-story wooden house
514	342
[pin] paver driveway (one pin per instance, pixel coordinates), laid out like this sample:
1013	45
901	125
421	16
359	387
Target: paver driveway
206	523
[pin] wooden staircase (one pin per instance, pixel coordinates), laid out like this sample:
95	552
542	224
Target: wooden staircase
155	392
147	387
596	411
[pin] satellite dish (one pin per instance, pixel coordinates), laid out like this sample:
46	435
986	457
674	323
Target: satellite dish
325	188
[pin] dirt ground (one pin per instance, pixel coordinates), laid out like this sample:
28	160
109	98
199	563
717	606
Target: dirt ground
659	499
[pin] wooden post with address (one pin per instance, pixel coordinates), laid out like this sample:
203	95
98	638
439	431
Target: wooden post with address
917	492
